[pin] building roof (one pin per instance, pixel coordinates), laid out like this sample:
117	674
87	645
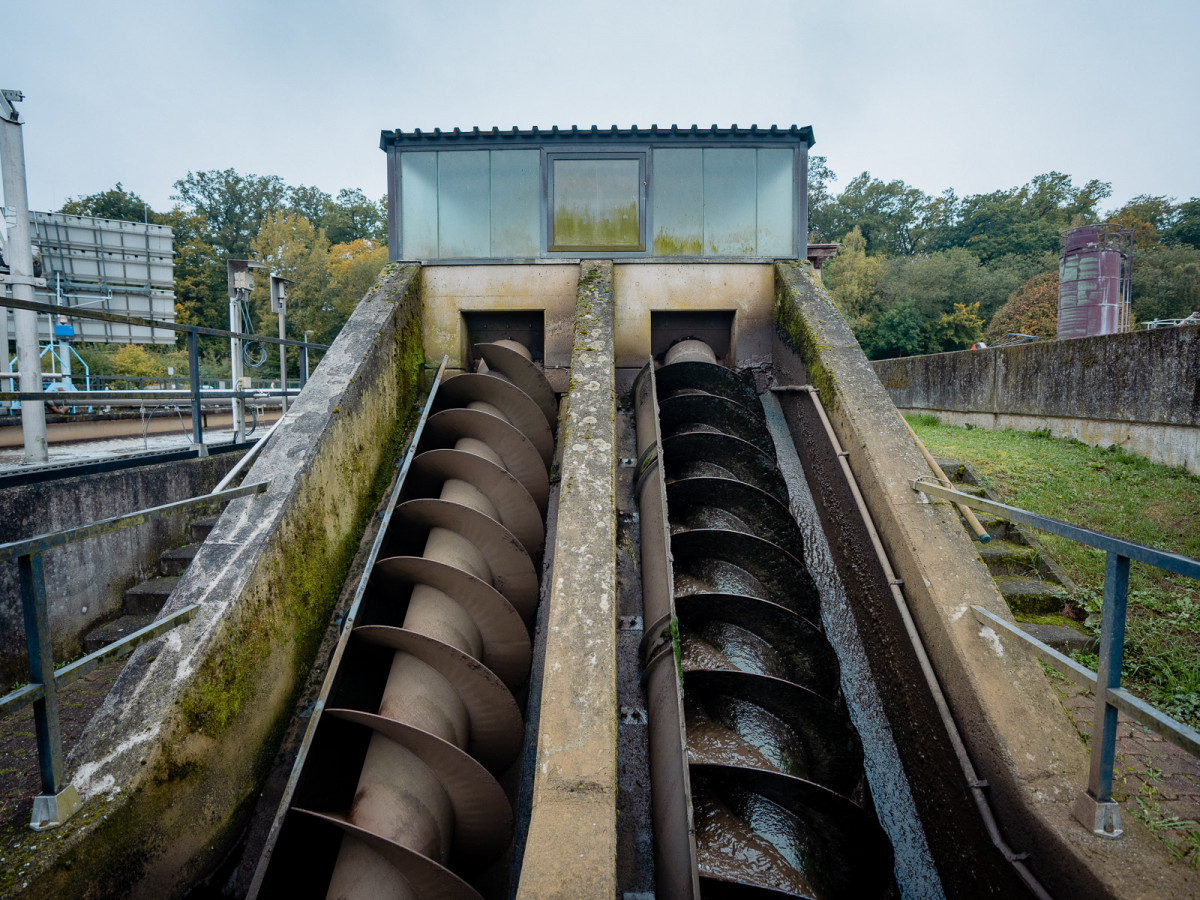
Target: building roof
694	135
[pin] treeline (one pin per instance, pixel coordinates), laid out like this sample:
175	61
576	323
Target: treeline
924	274
332	248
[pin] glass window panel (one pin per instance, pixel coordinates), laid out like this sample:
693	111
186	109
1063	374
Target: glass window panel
678	198
418	205
463	198
775	208
595	204
730	198
516	203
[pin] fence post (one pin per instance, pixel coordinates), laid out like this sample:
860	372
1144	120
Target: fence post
57	801
1096	809
194	380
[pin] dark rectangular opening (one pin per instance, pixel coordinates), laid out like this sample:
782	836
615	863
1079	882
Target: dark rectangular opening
714	327
526	326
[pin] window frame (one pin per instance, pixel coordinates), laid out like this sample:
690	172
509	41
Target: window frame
549	157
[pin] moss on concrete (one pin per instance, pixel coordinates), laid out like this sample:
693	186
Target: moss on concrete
205	769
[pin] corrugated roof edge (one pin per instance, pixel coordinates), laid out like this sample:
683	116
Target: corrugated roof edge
790	134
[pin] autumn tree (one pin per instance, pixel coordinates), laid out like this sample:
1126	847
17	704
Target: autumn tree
1031	309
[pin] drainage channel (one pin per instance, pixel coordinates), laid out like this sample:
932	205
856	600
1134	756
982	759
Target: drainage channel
404	788
756	770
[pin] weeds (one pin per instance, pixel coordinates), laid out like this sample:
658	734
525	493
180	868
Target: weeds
1115	492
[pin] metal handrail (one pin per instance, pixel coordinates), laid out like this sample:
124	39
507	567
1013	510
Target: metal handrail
194	391
59	799
1096	809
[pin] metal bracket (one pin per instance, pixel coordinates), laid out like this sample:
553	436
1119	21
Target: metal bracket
9	278
1100	818
51	810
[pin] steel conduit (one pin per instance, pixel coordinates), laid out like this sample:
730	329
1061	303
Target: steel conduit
756	771
426	697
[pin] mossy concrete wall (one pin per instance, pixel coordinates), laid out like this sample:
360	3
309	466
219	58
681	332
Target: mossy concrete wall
86	581
571	848
174	759
1139	390
1017	733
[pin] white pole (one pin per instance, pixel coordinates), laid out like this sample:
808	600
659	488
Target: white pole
235	349
20	264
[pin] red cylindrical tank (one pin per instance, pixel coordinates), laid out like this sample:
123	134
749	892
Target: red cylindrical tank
1091	295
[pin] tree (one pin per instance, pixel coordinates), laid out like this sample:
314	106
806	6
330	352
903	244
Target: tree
353	268
959	329
310	202
116	203
1148	216
291	247
853	277
1026	221
1166	282
1031	309
888	214
232	206
898	331
354	217
1186	228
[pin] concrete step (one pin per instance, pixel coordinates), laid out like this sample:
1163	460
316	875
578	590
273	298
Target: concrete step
115	630
999	529
201	527
1063	638
1009	558
149	596
173	562
1030	596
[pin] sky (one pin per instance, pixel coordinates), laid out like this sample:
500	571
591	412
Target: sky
970	95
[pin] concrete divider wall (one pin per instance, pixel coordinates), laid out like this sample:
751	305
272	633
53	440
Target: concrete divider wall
571	848
1139	390
173	761
86	582
1017	733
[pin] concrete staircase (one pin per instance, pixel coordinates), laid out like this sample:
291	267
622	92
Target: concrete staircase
1027	577
143	602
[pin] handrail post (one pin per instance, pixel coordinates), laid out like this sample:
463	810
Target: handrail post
303	365
57	801
1096	809
194	383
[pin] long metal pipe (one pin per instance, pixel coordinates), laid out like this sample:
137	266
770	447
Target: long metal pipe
20	263
935	689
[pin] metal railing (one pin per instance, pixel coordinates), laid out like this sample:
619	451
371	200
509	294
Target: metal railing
1096	809
194	392
59	799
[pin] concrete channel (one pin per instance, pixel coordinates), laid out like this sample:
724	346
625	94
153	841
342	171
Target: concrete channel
618	626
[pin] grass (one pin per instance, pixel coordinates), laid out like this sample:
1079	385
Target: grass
1118	493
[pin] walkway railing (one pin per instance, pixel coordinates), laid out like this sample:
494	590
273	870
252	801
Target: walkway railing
194	392
1096	809
59	799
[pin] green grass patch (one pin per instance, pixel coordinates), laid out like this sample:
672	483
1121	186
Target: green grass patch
1118	493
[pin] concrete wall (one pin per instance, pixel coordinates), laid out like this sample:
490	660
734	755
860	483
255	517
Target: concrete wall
173	761
449	291
1139	390
746	289
1017	733
86	582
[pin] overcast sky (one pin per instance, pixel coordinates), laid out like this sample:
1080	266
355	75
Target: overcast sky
971	95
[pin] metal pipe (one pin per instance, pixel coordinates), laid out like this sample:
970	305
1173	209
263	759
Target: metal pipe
972	520
935	689
20	262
